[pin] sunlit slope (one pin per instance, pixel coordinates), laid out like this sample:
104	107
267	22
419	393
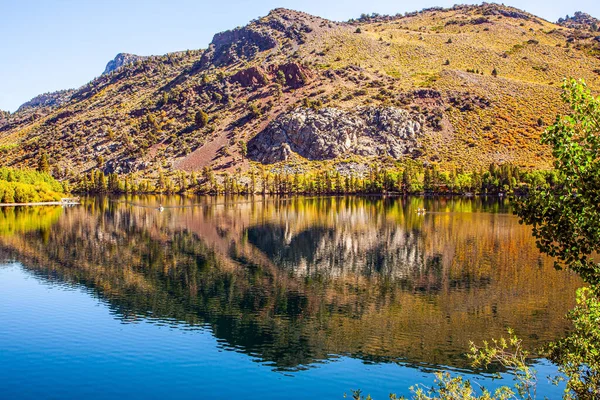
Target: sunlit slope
483	80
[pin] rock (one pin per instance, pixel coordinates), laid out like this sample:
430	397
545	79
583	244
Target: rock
295	75
124	166
580	21
267	33
4	116
509	12
120	60
240	43
330	133
252	76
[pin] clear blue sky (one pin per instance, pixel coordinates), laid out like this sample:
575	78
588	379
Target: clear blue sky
60	44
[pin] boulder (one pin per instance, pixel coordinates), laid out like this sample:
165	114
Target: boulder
252	76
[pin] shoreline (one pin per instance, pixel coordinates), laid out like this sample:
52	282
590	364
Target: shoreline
43	203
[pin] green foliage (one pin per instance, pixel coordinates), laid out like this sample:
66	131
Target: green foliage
456	388
254	110
5	148
507	352
510	354
566	224
281	80
243	148
27	186
565	217
579	353
201	119
43	165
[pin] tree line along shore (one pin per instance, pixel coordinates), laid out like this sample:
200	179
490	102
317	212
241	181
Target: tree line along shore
496	179
38	186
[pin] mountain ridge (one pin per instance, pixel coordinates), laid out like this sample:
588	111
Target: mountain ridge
483	80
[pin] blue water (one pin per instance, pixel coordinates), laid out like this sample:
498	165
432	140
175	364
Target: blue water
304	300
60	342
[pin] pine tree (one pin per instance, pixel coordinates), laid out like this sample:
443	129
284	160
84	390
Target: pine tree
201	119
243	148
43	164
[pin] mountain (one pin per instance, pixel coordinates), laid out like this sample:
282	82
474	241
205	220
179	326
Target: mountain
47	100
581	21
459	87
120	60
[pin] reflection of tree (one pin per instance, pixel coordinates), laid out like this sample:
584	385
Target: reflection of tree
15	220
292	282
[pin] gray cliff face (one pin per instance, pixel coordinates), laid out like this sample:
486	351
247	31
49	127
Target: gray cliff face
120	60
330	133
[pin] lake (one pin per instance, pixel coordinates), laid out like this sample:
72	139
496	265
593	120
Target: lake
264	298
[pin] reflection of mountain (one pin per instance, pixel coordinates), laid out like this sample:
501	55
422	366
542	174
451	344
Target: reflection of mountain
292	282
334	252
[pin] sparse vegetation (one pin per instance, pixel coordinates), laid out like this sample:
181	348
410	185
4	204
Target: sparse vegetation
169	110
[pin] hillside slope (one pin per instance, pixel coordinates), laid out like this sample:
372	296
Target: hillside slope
459	87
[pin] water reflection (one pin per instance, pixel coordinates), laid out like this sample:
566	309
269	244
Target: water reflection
295	281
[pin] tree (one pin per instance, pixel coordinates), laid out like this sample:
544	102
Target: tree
209	178
565	217
201	119
43	164
281	80
243	148
566	224
494	72
254	110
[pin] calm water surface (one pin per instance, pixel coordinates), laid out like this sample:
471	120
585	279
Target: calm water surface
265	298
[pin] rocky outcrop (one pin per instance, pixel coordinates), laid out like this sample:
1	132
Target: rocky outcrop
240	43
580	20
329	133
124	166
295	74
120	60
4	115
252	76
51	100
508	12
268	33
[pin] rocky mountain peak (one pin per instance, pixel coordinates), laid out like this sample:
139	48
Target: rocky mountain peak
280	28
580	20
120	60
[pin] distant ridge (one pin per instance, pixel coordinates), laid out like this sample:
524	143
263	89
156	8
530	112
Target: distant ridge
50	99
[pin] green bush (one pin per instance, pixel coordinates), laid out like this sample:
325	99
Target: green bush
28	186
